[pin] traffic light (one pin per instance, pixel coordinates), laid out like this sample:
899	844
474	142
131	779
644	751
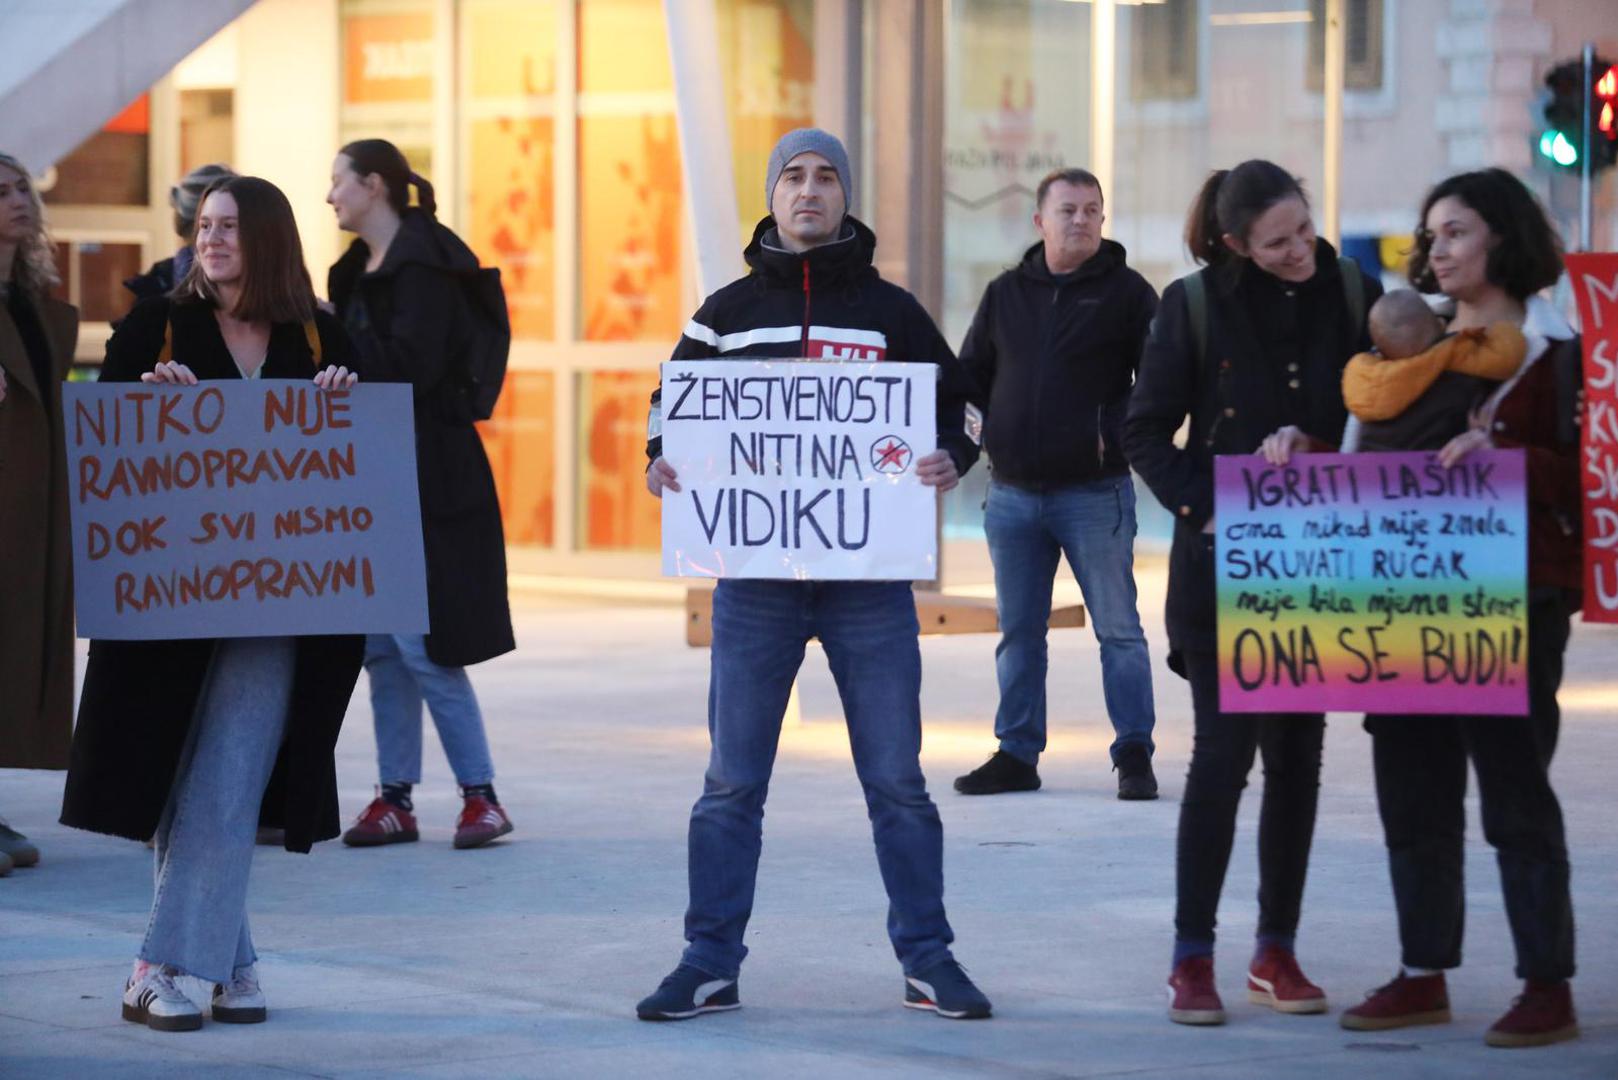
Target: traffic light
1561	141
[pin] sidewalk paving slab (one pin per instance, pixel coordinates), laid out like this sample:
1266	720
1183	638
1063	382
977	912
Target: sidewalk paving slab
526	958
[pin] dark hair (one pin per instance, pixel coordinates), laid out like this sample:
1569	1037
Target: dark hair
378	156
275	281
1528	256
1230	201
1075	176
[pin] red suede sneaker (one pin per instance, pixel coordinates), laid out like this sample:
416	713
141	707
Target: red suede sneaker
382	823
480	822
1405	1002
1541	1016
1275	980
1193	999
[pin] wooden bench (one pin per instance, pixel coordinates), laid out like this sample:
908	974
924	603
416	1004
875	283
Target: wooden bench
938	613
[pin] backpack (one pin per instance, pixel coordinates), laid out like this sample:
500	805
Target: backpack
484	335
1196	300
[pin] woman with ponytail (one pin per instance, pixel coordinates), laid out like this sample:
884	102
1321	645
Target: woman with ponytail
1251	348
398	291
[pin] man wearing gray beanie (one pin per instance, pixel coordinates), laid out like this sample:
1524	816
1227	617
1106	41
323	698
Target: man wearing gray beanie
814	294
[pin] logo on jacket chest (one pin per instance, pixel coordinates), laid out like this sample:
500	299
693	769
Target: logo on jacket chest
820	349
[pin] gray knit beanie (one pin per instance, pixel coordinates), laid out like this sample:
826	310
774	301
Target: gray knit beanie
185	195
806	140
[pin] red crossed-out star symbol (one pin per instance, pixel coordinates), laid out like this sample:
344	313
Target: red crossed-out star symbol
890	455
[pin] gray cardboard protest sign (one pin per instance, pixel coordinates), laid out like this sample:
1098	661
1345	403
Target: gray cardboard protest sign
243	509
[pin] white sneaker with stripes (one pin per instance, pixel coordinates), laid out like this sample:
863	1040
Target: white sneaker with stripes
153	999
240	1001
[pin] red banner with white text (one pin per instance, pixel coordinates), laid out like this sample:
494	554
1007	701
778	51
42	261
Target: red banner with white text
1595	284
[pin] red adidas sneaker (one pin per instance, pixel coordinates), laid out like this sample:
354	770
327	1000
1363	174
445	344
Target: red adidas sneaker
382	823
480	822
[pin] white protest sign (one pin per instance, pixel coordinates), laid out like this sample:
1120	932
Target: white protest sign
799	469
243	509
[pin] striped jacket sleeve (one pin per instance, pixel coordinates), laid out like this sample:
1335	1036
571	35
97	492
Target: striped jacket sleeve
698	341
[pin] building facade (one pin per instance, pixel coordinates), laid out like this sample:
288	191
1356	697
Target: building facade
551	131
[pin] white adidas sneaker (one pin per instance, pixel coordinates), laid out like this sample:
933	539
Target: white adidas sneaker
155	1000
240	1001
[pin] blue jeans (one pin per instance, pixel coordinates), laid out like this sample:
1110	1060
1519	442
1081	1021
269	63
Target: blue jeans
1029	531
868	629
401	678
204	840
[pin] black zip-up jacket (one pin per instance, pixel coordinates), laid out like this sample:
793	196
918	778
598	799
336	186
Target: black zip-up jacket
1053	358
1275	355
828	302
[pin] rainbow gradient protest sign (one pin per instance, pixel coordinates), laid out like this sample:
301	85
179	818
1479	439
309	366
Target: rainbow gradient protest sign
1381	583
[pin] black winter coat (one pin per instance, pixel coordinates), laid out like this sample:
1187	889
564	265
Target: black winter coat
1275	356
139	696
1054	359
405	319
828	302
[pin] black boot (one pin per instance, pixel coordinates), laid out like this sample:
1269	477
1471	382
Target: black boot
1002	772
1135	777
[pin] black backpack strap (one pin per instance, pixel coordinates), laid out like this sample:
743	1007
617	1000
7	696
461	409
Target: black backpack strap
1353	289
1568	358
1196	305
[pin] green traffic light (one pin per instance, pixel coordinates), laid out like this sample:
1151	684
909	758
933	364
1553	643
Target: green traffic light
1559	148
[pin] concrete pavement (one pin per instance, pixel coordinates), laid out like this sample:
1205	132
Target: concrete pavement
526	958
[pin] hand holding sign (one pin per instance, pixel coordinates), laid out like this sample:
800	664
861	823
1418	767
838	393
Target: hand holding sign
170	373
938	470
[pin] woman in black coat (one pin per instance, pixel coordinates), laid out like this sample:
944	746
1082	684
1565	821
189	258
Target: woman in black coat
1259	369
398	290
195	742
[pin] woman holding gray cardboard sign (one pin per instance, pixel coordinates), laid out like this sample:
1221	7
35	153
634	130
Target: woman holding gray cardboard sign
401	289
1252	349
1486	244
198	741
37	336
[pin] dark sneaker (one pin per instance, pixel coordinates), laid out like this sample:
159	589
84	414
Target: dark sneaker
15	845
1276	980
5	864
480	822
1002	772
270	836
946	990
1405	1002
1135	777
382	823
1193	998
689	992
1541	1016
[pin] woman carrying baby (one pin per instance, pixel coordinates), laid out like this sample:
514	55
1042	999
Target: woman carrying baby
1507	378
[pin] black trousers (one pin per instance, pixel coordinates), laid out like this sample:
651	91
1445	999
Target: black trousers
1222	752
1420	788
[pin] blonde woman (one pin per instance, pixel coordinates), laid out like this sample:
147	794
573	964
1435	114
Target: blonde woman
37	337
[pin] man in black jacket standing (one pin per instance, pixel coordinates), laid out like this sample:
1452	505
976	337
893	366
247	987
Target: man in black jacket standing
814	293
1054	348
